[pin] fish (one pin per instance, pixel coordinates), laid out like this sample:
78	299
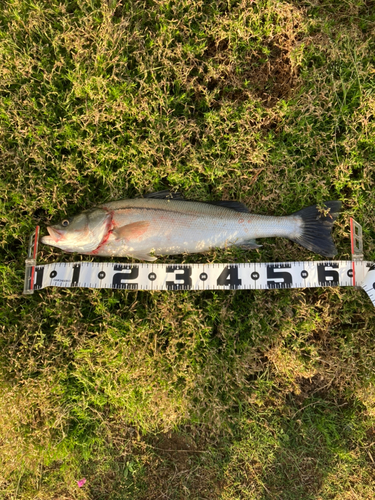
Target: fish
164	223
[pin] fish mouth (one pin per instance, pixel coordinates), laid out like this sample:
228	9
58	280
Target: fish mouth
54	234
47	240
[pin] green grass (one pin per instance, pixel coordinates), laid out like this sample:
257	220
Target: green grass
187	395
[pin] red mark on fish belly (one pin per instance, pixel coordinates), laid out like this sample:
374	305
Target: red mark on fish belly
240	221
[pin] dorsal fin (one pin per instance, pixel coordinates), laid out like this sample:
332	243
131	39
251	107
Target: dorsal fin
165	195
170	195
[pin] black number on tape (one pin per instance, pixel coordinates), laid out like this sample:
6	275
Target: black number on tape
229	277
39	272
181	274
275	272
76	273
119	280
328	277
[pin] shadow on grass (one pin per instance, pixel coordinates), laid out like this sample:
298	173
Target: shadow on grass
307	451
314	443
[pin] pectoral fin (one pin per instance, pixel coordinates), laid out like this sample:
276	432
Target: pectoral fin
131	231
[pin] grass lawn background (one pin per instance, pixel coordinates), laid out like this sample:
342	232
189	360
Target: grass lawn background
186	395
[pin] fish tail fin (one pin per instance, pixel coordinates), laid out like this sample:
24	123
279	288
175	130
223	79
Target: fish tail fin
317	228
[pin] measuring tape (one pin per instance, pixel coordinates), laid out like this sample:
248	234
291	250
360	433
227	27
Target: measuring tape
242	276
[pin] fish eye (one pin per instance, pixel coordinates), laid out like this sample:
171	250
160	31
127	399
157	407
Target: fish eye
65	223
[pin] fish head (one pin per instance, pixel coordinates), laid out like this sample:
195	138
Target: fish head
82	233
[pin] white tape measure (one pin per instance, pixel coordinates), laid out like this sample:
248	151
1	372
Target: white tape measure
244	276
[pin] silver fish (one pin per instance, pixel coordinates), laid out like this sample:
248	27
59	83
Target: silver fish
166	224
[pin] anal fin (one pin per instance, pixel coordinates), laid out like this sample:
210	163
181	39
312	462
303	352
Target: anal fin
249	245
